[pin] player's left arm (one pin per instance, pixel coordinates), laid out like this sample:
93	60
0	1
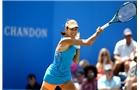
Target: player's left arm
77	56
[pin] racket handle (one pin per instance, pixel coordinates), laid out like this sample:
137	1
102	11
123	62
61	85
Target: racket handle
105	26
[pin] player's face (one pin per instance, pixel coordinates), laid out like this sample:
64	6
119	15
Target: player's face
71	32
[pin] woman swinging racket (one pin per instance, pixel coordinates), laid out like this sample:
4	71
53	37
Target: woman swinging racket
67	50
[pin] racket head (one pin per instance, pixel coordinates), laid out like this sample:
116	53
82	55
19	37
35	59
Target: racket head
126	12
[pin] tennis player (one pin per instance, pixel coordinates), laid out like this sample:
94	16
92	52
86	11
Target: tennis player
67	50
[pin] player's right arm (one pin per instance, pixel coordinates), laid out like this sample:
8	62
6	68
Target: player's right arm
83	42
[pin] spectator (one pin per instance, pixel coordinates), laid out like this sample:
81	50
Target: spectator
131	81
103	58
122	52
79	79
83	63
32	83
109	81
133	64
90	83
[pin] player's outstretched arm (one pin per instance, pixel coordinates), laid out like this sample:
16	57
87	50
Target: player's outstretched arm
83	42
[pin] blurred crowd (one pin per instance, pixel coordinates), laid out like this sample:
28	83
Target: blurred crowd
117	73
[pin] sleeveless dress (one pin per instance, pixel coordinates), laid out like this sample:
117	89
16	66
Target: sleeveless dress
59	71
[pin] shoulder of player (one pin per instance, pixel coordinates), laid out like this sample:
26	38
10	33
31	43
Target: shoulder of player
67	40
64	39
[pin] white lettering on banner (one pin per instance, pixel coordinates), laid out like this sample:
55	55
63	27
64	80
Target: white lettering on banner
6	32
19	32
13	31
25	32
31	32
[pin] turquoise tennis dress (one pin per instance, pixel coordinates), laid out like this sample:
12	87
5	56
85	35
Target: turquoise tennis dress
59	71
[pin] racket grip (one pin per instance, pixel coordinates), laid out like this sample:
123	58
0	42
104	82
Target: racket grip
105	26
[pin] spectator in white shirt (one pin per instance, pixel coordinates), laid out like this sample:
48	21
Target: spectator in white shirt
122	52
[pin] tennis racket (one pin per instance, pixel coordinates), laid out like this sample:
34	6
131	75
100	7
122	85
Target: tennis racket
125	13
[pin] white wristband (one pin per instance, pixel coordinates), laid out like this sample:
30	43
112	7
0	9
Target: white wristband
78	47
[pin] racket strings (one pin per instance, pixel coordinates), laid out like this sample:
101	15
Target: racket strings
127	12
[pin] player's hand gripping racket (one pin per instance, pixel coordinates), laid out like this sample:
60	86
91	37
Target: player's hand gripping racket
124	14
